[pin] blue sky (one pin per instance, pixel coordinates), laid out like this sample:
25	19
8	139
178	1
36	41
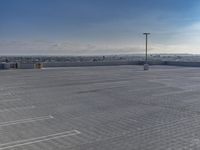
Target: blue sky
93	27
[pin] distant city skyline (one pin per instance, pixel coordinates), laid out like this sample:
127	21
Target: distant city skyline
98	27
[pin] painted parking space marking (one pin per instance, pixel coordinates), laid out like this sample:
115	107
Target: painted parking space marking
19	143
11	100
16	108
2	124
5	94
171	93
145	88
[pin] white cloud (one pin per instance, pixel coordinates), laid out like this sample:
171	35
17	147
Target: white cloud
37	47
182	40
172	40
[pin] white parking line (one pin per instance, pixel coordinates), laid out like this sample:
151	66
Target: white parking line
172	93
38	139
16	108
6	94
2	124
146	88
10	100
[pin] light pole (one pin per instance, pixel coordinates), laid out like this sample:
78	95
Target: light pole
146	66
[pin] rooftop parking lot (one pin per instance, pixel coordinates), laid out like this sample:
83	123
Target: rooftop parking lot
100	108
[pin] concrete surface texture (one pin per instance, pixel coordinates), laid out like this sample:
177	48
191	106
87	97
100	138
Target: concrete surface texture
100	108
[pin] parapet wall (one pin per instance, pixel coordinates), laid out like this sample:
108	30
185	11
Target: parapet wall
117	63
185	64
79	64
26	66
103	63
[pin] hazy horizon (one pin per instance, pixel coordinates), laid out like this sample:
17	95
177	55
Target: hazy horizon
93	27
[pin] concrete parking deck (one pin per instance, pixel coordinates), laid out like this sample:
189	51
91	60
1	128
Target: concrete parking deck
100	108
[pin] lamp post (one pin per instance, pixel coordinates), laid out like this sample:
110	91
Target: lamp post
146	66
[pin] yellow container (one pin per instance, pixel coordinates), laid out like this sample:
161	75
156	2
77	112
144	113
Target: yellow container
38	66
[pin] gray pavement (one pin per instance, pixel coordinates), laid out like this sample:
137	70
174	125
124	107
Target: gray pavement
100	108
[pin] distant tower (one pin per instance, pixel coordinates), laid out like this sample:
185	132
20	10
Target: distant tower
146	65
